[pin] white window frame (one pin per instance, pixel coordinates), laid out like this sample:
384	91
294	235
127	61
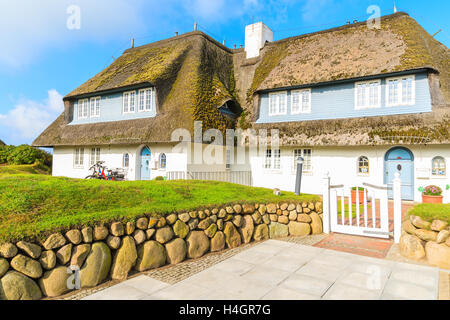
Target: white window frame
400	91
227	159
358	166
432	167
274	157
367	104
126	96
271	97
160	161
124	162
83	108
94	155
78	158
302	108
94	110
307	164
148	102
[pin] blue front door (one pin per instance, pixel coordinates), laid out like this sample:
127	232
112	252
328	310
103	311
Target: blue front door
400	160
145	163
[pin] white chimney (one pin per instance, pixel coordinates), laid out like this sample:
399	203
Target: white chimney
256	36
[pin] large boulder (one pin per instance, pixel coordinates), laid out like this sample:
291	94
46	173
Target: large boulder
48	259
232	236
316	223
33	250
218	242
256	216
299	228
113	242
426	235
197	244
97	265
418	222
151	255
117	229
438	225
408	227
181	229
139	236
80	254
176	251
303	217
443	236
247	228
87	234
74	236
100	233
8	250
171	218
278	230
142	223
271	208
54	282
204	224
411	247
54	241
164	234
124	259
4	266
27	266
63	255
261	232
211	231
438	254
16	286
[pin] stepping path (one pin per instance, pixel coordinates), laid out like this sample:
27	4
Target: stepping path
277	269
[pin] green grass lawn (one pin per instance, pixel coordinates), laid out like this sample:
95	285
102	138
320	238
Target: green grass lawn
35	205
430	211
24	169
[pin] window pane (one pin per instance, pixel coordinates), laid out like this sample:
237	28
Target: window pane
393	91
307	160
81	162
125	102
276	160
363	165
148	99
141	100
273	104
373	93
306	101
407	90
295	108
361	95
132	101
268	159
282	103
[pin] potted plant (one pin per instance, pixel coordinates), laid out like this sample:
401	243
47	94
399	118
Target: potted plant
361	195
432	194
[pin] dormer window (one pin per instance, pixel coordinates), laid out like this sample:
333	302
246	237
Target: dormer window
83	108
368	94
129	102
400	91
301	101
146	99
277	103
95	107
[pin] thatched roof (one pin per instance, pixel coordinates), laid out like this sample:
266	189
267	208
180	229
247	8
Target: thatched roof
2	143
194	75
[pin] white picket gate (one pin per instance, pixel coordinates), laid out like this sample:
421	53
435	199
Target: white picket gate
371	220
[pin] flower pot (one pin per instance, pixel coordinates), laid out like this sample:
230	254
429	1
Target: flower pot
431	199
361	196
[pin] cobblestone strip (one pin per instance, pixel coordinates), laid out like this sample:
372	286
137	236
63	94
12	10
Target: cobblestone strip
444	285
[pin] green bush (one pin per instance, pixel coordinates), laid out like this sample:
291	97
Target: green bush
4	153
25	154
159	178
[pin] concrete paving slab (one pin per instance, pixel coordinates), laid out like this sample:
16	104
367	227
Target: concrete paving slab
406	290
306	284
286	294
341	291
266	275
318	270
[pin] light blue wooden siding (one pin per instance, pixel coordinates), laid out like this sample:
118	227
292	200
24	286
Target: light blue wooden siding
111	109
338	101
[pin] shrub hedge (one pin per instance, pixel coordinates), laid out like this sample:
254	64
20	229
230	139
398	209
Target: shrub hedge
24	154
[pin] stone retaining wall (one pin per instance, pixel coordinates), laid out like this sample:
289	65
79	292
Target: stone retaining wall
426	240
111	251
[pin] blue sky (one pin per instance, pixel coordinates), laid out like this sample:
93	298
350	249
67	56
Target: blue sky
41	60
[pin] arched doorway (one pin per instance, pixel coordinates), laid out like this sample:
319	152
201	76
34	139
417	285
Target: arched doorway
146	156
401	160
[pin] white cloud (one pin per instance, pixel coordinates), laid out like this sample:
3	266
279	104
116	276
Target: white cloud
28	118
32	27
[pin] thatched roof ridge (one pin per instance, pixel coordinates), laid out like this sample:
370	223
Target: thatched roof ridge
2	143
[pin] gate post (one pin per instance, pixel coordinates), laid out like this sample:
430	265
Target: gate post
326	203
397	193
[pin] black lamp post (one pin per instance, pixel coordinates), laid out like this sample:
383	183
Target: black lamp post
298	177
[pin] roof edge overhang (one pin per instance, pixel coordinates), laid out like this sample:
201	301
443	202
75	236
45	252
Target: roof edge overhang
347	80
109	91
